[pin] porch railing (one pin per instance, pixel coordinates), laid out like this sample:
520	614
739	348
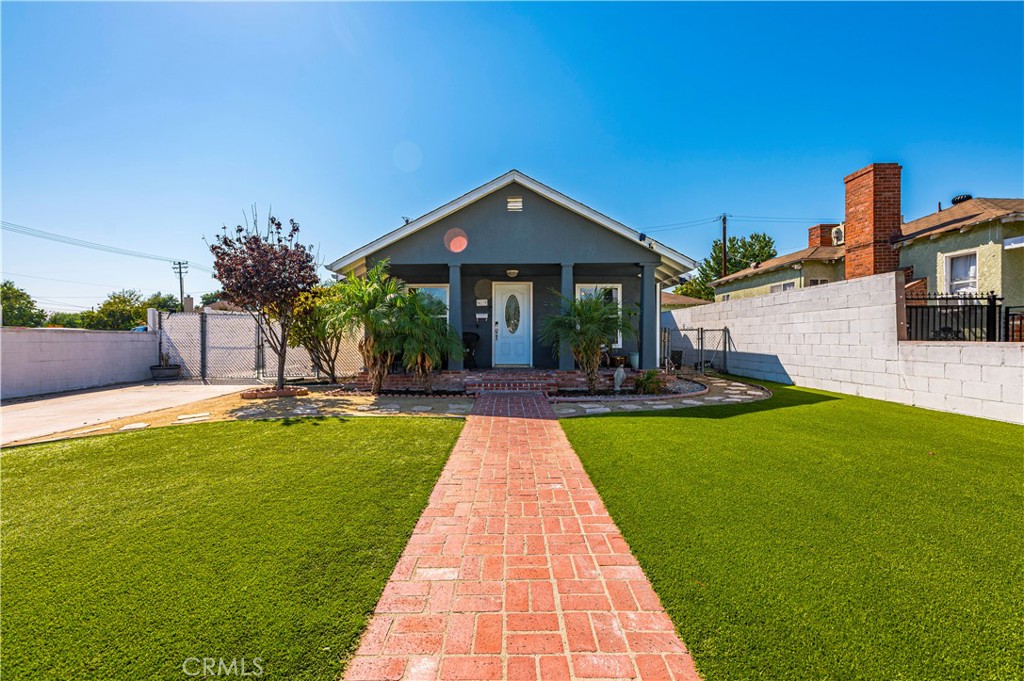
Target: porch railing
954	317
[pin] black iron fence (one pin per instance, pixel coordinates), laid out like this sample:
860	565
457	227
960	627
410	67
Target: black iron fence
1013	324
957	317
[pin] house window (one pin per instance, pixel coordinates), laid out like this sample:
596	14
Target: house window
962	273
515	204
612	293
817	282
438	291
779	288
725	297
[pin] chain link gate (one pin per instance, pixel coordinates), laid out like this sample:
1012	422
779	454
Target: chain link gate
230	345
696	349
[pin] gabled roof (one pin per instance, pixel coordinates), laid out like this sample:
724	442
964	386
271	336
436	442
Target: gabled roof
962	216
673	264
819	253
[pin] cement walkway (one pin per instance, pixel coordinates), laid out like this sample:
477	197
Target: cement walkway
516	570
24	420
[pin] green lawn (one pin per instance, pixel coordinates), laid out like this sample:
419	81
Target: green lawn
821	536
126	554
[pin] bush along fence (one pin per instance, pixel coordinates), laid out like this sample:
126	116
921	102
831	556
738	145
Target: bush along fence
230	345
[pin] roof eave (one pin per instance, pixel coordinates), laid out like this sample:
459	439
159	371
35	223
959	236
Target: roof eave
676	259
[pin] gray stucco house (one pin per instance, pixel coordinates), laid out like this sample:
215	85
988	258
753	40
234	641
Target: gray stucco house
499	255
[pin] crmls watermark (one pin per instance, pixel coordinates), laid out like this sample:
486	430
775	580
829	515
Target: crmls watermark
219	666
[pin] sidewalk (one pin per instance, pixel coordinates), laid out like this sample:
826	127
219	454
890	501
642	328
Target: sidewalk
516	571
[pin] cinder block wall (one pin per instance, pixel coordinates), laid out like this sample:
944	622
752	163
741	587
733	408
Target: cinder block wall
41	361
843	337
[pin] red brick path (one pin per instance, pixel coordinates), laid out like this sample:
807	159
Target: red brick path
516	571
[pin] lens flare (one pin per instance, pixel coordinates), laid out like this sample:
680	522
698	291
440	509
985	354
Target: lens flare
455	240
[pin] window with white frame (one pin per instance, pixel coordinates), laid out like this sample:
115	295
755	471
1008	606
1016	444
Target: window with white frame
779	288
612	293
725	297
437	291
817	282
962	273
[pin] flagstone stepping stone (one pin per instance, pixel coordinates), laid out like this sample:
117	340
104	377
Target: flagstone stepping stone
732	399
394	407
186	417
714	397
305	411
246	413
90	430
134	426
662	406
690	402
422	407
629	407
565	410
366	407
598	410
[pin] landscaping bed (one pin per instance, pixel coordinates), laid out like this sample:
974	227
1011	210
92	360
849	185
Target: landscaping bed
821	536
125	555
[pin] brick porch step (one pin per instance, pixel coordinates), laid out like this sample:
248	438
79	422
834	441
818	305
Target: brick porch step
548	387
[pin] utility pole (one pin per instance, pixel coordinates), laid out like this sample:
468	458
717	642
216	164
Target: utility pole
725	270
181	268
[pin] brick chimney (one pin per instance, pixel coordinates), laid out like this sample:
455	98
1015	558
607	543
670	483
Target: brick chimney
872	219
820	235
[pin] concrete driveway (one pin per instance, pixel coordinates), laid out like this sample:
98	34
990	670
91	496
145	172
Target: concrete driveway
31	418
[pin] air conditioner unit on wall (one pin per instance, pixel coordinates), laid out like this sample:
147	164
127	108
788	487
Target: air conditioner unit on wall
838	237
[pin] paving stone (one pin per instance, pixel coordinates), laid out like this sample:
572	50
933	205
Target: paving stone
90	430
367	407
598	410
630	407
193	416
662	406
515	569
422	407
134	426
690	402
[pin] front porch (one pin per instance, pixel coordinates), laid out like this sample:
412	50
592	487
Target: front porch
498	308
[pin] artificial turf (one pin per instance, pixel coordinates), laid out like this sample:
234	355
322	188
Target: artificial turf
823	536
125	555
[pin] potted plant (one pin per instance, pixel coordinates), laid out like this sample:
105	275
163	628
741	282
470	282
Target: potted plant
165	371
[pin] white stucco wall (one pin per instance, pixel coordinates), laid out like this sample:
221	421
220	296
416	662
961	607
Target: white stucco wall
843	337
40	361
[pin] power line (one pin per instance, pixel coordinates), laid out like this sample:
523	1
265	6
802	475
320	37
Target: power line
85	283
72	241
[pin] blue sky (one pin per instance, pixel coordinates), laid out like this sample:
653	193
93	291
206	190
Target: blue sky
148	126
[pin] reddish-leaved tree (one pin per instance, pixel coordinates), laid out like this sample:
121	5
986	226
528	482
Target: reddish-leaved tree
265	273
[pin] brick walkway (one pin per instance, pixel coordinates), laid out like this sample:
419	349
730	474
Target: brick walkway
516	571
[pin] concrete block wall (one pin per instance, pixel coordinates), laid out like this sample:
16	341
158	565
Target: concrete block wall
41	361
844	337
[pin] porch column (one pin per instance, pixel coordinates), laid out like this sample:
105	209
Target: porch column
648	317
565	359
455	309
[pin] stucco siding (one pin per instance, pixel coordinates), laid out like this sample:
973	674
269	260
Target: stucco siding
997	267
542	233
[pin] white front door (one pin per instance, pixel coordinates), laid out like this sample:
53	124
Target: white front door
513	324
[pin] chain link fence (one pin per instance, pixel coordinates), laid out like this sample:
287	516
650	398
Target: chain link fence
696	349
230	346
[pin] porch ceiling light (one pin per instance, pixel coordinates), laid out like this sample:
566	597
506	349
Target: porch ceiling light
512	273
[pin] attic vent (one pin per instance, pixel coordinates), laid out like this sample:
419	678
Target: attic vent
838	237
515	204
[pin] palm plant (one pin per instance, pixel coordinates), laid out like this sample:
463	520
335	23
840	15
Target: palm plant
367	308
586	325
425	335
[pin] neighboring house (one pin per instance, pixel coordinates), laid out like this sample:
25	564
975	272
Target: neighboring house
677	301
977	245
500	256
